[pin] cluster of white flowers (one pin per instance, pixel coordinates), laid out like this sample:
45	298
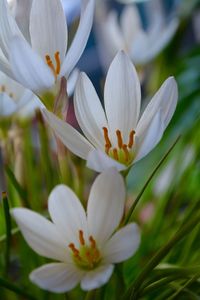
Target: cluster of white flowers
35	54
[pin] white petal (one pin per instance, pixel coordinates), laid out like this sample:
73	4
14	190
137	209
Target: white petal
105	205
7	105
41	234
70	137
130	23
122	245
28	68
98	277
8	28
48	28
122	96
150	137
71	82
100	161
22	16
165	101
80	40
5	67
89	111
67	213
56	277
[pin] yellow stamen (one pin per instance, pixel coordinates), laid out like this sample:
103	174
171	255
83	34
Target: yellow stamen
92	242
125	149
57	59
81	238
108	144
115	154
131	139
50	64
119	138
75	251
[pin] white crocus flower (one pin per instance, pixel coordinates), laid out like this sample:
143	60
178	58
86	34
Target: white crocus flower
14	98
128	34
117	137
86	246
43	63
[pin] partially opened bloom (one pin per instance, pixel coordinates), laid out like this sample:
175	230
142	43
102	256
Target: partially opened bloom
116	137
42	62
127	33
14	98
86	246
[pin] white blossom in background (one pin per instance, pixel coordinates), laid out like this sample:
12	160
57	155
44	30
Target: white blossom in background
119	136
86	246
43	63
14	98
127	33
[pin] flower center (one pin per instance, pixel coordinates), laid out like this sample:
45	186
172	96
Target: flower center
55	68
3	89
87	257
124	152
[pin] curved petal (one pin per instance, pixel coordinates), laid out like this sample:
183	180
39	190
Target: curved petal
48	28
41	235
89	111
72	81
122	245
80	40
8	28
5	67
70	137
67	213
150	137
7	105
100	161
96	278
165	101
130	23
22	16
56	277
122	96
28	68
105	205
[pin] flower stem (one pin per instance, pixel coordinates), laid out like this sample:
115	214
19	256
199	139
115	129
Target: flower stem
7	285
135	289
129	216
8	230
90	295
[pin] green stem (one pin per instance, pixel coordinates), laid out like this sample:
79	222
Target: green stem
129	216
8	230
134	290
11	287
90	295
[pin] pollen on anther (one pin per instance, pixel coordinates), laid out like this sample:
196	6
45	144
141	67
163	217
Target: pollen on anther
81	238
92	242
57	59
74	250
108	144
115	154
131	139
119	138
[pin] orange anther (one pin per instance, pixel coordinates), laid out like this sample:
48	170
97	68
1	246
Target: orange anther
92	242
115	154
81	238
125	149
57	59
131	138
74	250
108	144
50	64
119	138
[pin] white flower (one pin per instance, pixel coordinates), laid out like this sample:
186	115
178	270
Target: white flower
116	137
128	35
86	246
43	63
16	99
